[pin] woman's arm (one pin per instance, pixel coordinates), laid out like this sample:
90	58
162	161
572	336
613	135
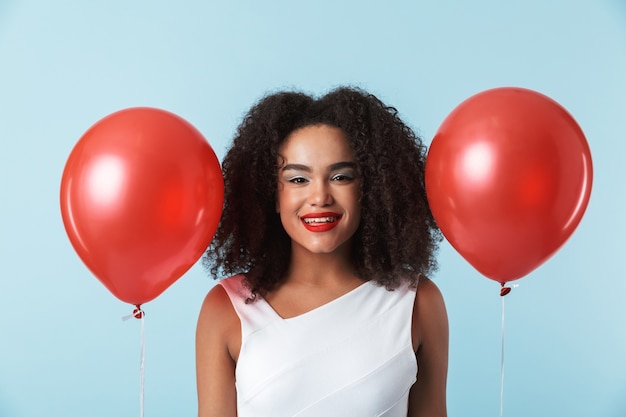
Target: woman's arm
218	336
430	339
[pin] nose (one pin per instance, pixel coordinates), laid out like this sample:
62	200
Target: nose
320	195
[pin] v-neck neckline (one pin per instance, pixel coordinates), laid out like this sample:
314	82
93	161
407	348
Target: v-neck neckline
319	308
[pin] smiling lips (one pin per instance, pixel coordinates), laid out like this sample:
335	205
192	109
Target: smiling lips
320	222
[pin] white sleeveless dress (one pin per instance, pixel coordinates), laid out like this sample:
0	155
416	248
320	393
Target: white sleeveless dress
352	357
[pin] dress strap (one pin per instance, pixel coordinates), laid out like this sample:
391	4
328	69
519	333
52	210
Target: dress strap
254	315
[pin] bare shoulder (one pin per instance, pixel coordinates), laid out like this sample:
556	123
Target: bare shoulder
429	312
217	318
428	294
216	301
430	341
218	339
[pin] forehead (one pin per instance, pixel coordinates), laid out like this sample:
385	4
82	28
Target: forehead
317	143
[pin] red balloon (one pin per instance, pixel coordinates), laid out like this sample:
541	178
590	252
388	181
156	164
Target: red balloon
508	179
141	197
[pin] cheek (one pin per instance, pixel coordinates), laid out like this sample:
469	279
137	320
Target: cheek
286	201
354	201
280	197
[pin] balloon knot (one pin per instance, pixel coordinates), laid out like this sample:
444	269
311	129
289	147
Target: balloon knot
504	290
138	312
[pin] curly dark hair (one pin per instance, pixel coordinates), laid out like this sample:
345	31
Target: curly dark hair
397	237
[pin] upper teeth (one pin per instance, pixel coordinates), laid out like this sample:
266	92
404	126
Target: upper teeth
310	220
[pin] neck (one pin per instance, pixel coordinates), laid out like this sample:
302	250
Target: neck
320	269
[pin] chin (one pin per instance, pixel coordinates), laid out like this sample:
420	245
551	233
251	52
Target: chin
326	249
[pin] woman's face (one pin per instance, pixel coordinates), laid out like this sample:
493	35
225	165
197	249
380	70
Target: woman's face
318	189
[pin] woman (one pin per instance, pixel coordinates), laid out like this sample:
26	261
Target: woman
327	237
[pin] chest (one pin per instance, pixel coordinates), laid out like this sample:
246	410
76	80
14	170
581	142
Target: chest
348	368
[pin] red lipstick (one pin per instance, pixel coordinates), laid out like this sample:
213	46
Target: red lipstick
320	222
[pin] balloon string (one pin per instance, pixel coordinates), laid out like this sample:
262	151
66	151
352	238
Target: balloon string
142	356
502	364
139	314
503	291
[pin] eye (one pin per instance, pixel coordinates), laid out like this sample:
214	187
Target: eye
342	177
297	180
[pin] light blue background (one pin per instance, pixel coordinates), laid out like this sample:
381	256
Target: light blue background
66	64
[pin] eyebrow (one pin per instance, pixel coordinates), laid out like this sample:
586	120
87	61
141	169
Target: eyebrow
333	167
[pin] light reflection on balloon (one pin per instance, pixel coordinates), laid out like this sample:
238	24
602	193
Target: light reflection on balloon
105	181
